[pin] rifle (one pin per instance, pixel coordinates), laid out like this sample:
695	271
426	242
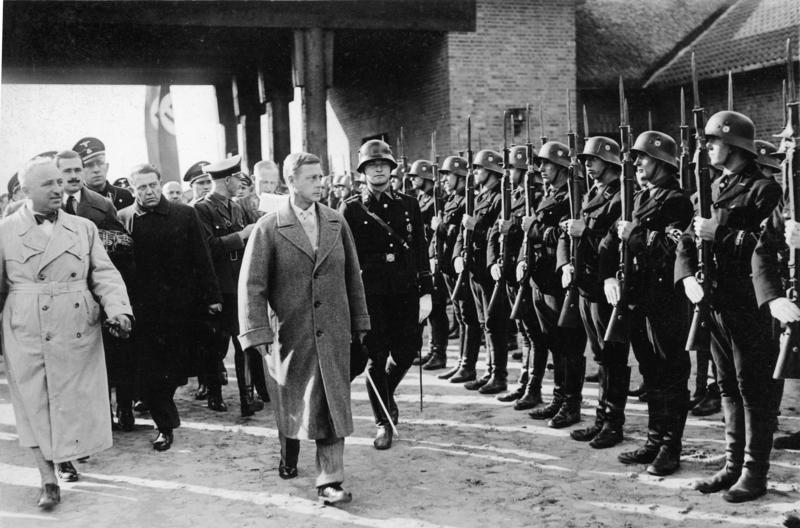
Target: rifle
505	214
585	137
469	209
700	330
617	330
788	364
570	315
407	184
685	159
436	211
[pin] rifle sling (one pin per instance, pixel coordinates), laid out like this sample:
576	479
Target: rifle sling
386	227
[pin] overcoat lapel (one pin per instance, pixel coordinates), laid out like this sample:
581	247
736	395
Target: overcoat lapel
289	227
329	234
64	238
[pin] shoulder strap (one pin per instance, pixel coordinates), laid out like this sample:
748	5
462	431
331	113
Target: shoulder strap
386	227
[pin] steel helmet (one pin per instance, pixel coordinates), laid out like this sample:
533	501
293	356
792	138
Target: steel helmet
733	129
375	149
518	157
767	154
657	145
554	152
489	160
455	164
602	148
422	168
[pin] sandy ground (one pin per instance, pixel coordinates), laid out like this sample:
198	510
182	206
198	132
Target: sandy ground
467	460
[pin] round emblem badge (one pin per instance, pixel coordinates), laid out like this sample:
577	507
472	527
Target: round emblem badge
657	142
608	147
726	129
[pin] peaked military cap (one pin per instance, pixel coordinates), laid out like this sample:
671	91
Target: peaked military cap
195	171
224	168
88	148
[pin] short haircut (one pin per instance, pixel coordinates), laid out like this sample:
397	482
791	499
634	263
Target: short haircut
68	154
143	168
264	165
31	165
295	160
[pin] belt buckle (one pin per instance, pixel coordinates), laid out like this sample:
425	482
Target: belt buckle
390	257
233	256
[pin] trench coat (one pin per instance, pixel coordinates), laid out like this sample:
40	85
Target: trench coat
307	304
51	293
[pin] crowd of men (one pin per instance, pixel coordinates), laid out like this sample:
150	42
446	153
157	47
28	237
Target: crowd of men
495	236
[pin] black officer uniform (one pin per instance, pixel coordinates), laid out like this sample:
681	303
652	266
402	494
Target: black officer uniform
390	240
566	344
464	305
222	219
494	323
742	342
600	211
88	148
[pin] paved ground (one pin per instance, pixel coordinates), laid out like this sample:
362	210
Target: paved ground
466	461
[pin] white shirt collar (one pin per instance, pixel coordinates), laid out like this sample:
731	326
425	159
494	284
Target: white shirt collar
297	211
77	196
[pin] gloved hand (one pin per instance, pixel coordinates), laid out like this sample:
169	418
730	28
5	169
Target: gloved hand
612	290
522	267
566	275
495	272
458	264
425	306
784	310
693	289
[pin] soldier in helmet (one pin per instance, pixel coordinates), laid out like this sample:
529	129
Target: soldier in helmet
341	190
566	344
454	170
741	345
600	211
768	160
398	178
528	393
390	240
488	166
661	211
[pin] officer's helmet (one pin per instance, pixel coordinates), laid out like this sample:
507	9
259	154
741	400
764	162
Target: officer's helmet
603	148
554	152
657	145
422	168
489	160
375	149
455	164
733	128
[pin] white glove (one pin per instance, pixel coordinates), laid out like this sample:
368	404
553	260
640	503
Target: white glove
433	265
458	264
425	306
693	289
612	290
784	310
522	267
566	275
792	234
435	222
495	272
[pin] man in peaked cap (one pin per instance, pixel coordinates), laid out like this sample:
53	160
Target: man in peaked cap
227	230
93	155
199	181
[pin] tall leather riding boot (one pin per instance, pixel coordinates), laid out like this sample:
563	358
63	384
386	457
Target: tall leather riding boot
734	449
394	375
570	411
701	377
438	359
249	405
588	433
499	367
257	375
647	453
758	444
377	411
673	407
617	379
559	375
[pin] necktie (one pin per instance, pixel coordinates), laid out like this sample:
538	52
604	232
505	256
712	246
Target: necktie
71	205
309	226
41	218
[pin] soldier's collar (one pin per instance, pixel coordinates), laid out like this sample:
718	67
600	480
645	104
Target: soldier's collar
216	197
372	195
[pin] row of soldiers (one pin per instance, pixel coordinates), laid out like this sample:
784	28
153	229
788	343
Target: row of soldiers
526	249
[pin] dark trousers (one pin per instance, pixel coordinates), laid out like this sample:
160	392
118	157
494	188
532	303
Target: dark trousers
469	328
493	322
536	362
392	343
595	317
566	344
745	352
160	399
440	324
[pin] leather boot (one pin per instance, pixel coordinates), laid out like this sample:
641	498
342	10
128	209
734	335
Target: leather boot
734	449
552	408
647	453
476	384
758	444
532	396
617	379
790	441
215	401
570	412
588	433
448	374
701	378
496	384
438	359
463	375
514	395
710	404
674	407
383	438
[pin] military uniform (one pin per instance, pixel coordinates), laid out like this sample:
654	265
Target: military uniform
90	147
742	343
223	219
392	251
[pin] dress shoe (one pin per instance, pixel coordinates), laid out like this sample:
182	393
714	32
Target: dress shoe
216	404
546	412
644	455
287	472
587	433
609	436
790	441
66	472
594	377
201	393
666	462
477	383
495	385
250	407
163	441
697	396
710	404
450	373
436	362
721	480
141	407
383	440
530	399
513	395
568	414
126	419
332	494
749	487
49	496
463	375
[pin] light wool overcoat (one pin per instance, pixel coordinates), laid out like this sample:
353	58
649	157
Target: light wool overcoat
50	287
307	304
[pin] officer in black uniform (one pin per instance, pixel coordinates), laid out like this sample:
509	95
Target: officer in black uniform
454	170
227	232
600	211
390	240
199	181
742	343
95	172
566	344
527	394
421	173
658	321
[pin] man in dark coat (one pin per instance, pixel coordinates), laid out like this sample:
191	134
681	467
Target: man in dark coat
175	286
93	155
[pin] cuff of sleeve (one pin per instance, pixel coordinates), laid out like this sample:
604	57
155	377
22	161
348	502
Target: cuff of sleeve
118	309
767	297
256	336
360	323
